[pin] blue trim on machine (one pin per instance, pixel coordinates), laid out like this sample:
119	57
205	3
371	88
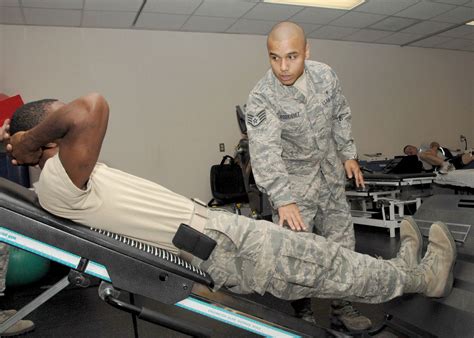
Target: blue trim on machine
13	238
234	319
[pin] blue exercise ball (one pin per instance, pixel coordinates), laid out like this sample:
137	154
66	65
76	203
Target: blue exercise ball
25	268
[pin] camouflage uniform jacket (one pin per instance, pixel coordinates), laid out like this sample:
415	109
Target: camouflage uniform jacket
292	136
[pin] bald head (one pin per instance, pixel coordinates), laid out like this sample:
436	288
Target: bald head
287	50
285	31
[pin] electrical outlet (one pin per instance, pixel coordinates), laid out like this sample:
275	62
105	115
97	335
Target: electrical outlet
221	147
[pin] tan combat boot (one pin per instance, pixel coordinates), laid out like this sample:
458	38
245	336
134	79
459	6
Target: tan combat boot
434	276
411	244
20	327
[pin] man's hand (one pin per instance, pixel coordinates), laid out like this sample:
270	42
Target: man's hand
21	152
4	136
290	215
353	171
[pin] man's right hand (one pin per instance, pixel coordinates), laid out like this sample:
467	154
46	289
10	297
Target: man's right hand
290	215
4	130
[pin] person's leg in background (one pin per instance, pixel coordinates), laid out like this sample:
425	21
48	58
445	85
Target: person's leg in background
467	158
22	326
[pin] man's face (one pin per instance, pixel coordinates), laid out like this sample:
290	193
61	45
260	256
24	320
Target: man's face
287	58
411	150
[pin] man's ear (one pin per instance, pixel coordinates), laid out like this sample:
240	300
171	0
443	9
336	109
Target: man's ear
306	52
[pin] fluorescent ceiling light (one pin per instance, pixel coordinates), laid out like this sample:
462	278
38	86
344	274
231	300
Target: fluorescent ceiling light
337	4
471	23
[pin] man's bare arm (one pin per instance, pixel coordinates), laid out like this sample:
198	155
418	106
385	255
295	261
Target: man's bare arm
78	127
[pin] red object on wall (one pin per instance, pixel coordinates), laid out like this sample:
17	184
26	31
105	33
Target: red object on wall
8	106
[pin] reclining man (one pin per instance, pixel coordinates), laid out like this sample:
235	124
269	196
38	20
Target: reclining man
439	157
250	255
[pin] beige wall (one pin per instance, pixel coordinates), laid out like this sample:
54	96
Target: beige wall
173	94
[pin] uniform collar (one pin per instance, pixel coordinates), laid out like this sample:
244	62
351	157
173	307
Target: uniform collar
298	90
302	84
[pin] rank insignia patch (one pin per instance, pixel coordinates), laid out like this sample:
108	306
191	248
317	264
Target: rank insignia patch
255	120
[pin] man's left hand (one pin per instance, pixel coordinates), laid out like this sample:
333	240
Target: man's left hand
21	151
353	171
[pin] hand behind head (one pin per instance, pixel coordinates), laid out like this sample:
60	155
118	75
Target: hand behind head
22	152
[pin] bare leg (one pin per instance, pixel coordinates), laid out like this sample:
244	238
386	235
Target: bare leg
467	158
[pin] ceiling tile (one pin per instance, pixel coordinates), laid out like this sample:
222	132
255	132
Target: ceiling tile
308	28
172	6
431	41
394	24
10	3
367	35
332	32
464	31
207	24
456	44
320	16
457	15
161	21
11	15
265	11
226	9
426	27
108	19
245	26
357	20
387	7
399	38
52	17
452	2
113	5
425	10
60	4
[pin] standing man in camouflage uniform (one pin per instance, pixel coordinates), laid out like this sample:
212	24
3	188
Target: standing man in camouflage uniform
21	326
301	148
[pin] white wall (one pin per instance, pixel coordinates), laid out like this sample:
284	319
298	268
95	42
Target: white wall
172	94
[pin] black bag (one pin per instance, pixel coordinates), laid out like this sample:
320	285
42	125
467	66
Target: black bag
227	183
404	165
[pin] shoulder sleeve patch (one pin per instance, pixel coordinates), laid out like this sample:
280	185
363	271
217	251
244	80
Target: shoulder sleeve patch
257	119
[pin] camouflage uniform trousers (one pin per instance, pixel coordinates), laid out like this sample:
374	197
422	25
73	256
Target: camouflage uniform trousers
326	212
4	255
259	256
